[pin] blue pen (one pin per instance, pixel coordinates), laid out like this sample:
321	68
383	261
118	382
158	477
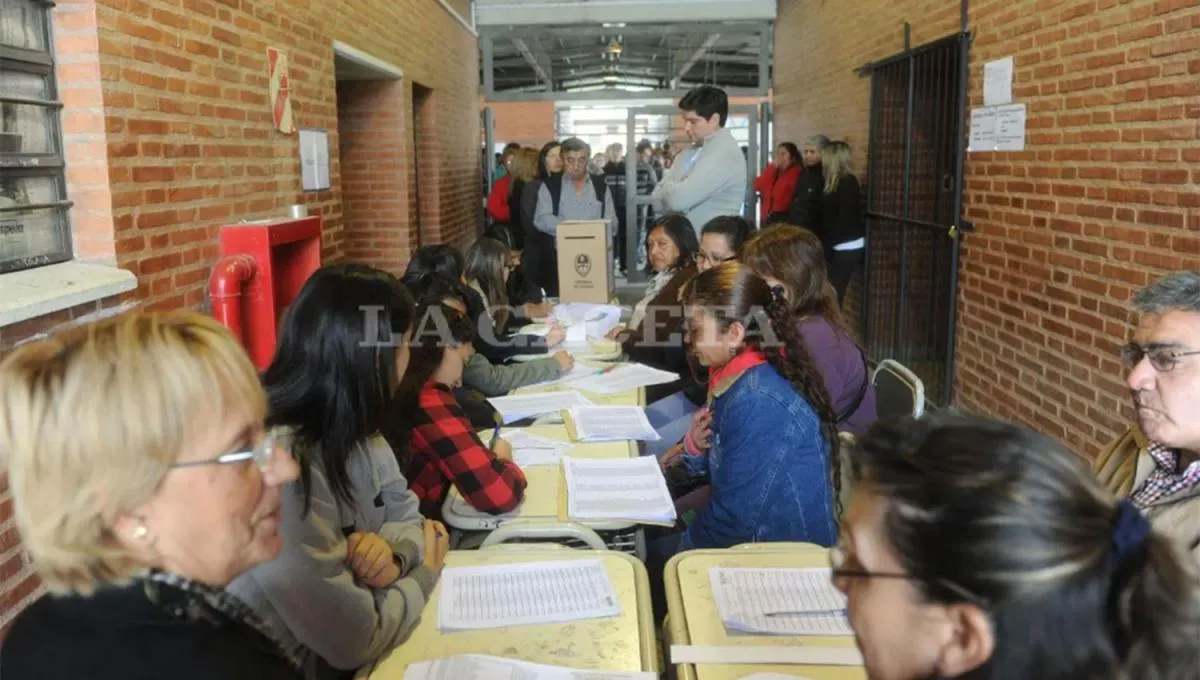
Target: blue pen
496	432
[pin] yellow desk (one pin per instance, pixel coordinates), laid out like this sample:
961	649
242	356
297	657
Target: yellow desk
625	643
545	488
628	398
695	620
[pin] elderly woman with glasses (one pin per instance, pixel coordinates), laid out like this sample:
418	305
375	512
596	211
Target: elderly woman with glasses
976	549
143	482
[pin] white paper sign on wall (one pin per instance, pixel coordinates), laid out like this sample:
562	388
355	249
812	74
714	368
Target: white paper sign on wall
997	128
314	160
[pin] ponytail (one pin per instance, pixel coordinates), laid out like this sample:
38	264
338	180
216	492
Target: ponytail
791	359
1154	613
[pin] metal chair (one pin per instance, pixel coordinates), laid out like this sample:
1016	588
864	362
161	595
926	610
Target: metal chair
898	391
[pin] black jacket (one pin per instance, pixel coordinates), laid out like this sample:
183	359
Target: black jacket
841	216
496	343
119	634
805	210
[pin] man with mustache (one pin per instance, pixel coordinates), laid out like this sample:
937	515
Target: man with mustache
1157	462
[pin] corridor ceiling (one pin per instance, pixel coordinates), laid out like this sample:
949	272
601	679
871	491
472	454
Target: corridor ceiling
548	61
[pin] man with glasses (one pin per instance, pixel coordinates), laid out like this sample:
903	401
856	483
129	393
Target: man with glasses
1156	463
573	195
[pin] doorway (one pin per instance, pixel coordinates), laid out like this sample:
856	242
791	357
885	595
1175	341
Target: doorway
914	210
372	156
421	129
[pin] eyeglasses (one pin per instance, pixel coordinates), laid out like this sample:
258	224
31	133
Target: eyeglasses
837	566
714	261
1163	359
263	453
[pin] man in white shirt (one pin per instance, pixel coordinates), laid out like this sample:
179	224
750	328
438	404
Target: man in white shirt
709	179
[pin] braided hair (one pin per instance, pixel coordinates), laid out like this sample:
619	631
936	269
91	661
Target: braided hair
739	295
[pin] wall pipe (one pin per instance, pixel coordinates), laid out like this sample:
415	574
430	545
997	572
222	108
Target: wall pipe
225	289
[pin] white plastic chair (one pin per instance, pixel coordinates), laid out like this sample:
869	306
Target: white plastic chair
518	530
898	391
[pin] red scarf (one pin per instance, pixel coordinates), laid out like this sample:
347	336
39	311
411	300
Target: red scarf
747	359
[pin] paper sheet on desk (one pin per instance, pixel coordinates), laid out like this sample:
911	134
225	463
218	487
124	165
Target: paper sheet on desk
632	489
475	598
578	371
597	319
806	600
624	378
480	667
611	423
520	406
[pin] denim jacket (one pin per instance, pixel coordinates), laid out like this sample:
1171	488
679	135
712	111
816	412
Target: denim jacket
768	467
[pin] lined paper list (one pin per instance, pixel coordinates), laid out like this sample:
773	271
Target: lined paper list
779	601
480	667
632	489
475	598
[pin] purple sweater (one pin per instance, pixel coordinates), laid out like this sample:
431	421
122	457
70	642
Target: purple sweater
841	364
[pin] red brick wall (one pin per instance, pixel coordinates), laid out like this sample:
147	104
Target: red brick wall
526	123
1103	200
190	139
374	151
169	136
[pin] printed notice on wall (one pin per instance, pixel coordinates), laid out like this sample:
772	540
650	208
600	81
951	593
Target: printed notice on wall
997	82
314	160
997	128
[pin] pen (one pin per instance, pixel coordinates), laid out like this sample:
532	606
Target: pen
496	432
810	612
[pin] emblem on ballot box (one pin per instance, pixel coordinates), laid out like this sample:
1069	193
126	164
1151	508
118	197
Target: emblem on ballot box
583	264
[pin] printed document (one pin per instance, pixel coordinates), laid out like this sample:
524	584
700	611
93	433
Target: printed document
611	423
520	406
624	378
475	598
598	320
779	601
480	667
632	489
579	370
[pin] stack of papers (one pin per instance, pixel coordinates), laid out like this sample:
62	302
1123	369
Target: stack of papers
611	423
596	320
479	667
779	601
475	598
623	378
520	406
531	449
631	489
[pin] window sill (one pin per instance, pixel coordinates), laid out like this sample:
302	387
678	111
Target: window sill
37	292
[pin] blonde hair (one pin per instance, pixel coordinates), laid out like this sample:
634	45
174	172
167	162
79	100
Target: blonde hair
836	163
91	420
524	164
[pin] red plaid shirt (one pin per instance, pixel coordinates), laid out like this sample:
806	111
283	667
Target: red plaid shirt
446	450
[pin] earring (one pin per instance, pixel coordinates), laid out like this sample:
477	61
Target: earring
140	533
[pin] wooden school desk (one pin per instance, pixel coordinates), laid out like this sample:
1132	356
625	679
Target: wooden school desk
694	619
545	490
624	643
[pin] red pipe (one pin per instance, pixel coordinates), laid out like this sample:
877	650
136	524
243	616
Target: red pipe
225	288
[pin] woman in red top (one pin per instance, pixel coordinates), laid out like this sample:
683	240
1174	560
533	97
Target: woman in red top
777	183
443	448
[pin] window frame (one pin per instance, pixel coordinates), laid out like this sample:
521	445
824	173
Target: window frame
51	164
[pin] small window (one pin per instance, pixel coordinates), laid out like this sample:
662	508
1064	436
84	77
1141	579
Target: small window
33	199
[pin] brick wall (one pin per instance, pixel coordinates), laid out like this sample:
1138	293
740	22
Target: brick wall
374	144
169	136
526	123
190	139
1103	200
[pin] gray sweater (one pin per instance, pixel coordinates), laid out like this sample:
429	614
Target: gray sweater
308	594
705	182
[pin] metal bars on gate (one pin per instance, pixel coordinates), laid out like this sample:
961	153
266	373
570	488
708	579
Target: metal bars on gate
914	208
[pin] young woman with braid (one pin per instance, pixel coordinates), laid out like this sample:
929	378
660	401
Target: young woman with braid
771	458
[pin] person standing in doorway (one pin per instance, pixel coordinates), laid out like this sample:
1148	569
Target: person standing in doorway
709	179
573	195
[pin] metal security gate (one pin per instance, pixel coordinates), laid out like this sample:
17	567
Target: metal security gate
914	209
